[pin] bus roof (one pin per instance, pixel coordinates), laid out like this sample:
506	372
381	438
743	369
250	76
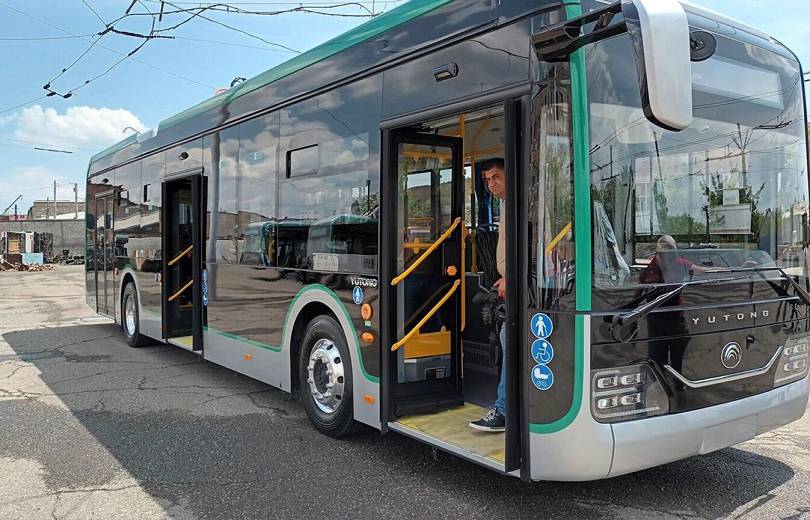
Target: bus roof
404	13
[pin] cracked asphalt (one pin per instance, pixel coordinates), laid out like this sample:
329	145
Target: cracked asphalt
90	428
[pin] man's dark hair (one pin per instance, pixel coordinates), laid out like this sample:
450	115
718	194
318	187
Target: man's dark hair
495	162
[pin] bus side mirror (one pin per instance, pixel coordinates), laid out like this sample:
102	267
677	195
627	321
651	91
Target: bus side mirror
659	31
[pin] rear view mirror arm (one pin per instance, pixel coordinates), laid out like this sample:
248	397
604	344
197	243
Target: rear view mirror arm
557	42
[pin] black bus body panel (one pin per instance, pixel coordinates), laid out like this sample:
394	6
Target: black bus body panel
691	337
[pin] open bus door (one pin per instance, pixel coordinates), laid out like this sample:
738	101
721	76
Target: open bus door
425	233
183	274
426	253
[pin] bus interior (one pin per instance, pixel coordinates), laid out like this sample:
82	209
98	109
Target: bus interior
447	357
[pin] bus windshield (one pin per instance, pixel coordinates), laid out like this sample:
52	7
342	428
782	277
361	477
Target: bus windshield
730	191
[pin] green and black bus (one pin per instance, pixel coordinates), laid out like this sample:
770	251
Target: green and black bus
324	228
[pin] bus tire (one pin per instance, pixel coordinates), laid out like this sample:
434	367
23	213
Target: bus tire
130	318
325	373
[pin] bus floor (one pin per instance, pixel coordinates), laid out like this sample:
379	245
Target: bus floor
452	426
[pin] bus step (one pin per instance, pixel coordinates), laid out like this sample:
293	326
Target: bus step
427	403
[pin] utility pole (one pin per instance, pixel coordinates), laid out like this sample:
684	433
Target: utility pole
54	200
76	200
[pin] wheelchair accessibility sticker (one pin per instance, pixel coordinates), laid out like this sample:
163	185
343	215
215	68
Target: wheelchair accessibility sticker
357	295
541	326
542	377
542	351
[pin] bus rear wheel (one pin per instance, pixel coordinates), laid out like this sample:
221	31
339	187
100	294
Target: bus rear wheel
130	319
325	373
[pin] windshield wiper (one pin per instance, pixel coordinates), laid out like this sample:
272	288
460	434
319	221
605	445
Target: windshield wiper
803	295
630	318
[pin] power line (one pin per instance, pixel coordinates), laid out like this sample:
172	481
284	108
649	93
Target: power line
51	145
147	64
316	3
41	38
230	44
241	31
100	19
15	107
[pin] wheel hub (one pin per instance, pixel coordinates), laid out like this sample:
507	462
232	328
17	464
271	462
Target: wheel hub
129	314
326	376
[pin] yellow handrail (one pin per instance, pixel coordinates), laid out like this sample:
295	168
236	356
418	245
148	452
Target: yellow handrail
427	316
181	291
551	245
181	255
427	253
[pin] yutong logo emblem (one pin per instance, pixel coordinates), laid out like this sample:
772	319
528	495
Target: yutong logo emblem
731	355
726	318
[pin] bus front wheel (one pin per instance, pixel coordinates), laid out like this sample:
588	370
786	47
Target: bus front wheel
325	373
130	319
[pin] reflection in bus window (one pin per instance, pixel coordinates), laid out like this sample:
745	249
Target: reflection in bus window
727	190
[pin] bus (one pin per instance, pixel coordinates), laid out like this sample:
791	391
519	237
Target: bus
325	228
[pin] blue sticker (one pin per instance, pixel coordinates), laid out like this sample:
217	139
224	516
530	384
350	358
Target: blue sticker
542	377
205	287
357	295
542	351
541	325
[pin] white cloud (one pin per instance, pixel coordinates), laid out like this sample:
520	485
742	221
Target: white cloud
79	127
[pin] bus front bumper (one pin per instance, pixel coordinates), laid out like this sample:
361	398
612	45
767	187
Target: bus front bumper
589	450
659	440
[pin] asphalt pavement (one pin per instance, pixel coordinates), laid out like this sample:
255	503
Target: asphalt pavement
91	428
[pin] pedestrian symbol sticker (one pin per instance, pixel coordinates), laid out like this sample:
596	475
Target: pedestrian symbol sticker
357	295
541	325
542	377
542	351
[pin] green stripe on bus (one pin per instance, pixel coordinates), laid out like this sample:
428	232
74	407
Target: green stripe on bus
582	225
314	287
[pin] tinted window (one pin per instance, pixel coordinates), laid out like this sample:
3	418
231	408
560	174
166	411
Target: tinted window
328	218
256	189
127	209
221	163
729	191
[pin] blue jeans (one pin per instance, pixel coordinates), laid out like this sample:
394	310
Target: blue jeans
500	403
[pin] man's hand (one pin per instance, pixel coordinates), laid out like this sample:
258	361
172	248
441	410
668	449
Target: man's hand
501	286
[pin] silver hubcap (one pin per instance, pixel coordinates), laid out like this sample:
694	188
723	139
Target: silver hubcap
325	376
129	314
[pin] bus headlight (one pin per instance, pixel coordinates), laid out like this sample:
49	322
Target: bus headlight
793	362
625	393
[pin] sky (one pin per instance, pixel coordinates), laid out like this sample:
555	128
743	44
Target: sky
167	76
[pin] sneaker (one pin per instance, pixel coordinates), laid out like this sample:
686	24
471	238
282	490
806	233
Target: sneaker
493	422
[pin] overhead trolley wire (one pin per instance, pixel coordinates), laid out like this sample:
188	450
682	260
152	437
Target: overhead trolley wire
137	60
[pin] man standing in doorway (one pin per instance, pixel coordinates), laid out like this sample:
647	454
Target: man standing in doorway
494	175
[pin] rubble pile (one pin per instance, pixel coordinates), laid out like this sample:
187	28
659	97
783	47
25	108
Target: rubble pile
8	266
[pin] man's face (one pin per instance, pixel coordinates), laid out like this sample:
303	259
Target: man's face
494	179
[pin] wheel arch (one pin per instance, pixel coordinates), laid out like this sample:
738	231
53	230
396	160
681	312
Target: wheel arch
126	276
310	311
314	300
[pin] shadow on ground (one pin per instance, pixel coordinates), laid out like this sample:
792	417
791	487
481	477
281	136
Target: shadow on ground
221	445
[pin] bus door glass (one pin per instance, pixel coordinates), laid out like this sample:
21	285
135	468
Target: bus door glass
105	284
429	270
